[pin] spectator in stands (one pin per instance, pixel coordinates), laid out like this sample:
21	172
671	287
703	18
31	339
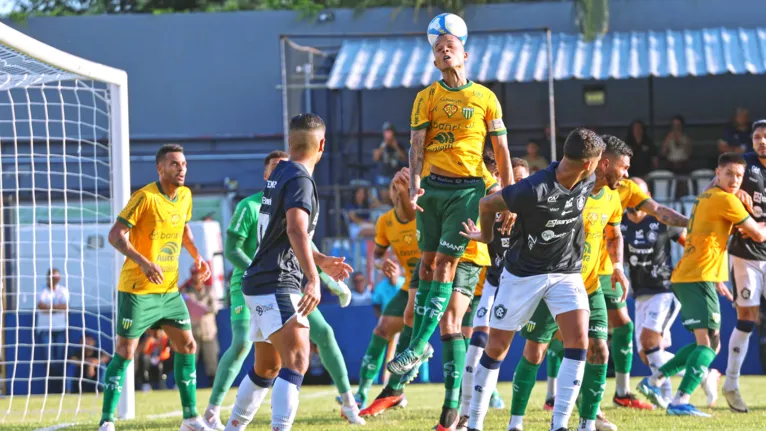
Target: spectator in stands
736	136
677	147
202	310
360	290
385	290
390	156
645	157
383	203
359	214
534	159
52	323
154	361
89	366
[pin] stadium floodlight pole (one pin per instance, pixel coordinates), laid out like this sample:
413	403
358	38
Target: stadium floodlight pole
285	111
551	93
57	65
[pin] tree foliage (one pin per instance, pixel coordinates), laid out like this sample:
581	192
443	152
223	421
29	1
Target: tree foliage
26	8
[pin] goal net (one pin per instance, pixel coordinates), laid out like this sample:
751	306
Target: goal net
64	176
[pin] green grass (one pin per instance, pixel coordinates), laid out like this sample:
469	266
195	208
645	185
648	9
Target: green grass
318	411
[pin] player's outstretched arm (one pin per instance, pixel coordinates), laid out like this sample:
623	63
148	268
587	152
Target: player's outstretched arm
664	214
488	207
417	158
188	243
234	251
298	234
753	230
118	238
615	247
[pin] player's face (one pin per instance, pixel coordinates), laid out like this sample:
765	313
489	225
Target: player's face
173	168
448	52
730	176
616	171
270	167
519	173
759	141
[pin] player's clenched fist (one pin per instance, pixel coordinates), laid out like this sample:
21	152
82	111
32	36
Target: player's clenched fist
153	272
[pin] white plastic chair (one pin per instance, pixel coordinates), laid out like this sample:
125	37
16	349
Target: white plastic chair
662	183
699	179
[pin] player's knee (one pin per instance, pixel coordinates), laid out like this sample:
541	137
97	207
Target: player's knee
618	317
409	316
747	314
321	335
241	348
715	340
267	370
126	350
497	346
451	322
649	339
383	331
188	346
598	352
534	353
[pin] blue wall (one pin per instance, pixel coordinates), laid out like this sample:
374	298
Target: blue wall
352	340
211	77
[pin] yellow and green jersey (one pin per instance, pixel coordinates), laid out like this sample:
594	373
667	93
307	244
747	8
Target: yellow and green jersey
631	196
402	238
600	210
156	225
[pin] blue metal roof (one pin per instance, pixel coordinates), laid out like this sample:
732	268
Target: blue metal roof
521	57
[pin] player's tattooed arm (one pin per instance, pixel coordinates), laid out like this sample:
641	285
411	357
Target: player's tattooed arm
417	158
664	214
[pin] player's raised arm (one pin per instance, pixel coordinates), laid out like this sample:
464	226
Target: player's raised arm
664	214
615	248
498	135
417	156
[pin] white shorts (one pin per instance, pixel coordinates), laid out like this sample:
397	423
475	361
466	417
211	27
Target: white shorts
656	313
269	313
748	278
518	297
481	317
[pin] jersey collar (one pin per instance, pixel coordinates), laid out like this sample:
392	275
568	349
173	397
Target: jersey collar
462	87
159	187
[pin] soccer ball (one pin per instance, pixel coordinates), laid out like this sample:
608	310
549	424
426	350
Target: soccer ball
447	23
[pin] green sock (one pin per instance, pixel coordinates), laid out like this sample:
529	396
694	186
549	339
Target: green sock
321	334
524	379
592	390
371	363
554	357
231	361
453	364
467	342
622	348
440	294
424	288
698	362
115	373
678	362
185	370
395	380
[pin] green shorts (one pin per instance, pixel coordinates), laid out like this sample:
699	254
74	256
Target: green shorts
137	313
699	305
541	326
397	304
468	316
612	297
467	277
239	310
447	203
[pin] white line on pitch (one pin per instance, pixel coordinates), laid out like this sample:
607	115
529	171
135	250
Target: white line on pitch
57	427
227	408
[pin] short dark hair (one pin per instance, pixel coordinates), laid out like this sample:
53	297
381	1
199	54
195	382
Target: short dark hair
306	122
519	162
726	159
582	144
616	146
167	148
276	154
760	124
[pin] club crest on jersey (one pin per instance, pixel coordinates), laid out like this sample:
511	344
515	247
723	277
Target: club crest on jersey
757	211
408	238
580	203
450	110
755	170
175	218
592	217
652	237
604	218
467	113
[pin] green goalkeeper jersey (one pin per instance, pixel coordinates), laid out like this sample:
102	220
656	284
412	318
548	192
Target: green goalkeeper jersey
244	224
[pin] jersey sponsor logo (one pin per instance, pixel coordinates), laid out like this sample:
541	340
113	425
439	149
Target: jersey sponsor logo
445	126
757	211
552	199
183	321
155	235
454	247
549	235
568	204
505	242
265	201
592	217
467	113
654	226
260	309
598	329
444	138
271	184
566	212
168	252
192	380
531	241
450	110
559	222
408	239
636	250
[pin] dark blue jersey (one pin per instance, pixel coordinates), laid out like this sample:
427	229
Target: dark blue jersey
754	184
275	268
647	254
497	248
551	234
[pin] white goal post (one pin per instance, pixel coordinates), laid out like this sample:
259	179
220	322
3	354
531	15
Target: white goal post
64	171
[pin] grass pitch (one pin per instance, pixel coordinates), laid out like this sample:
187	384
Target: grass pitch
318	411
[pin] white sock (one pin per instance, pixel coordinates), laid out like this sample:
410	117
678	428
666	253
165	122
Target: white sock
681	398
212	410
738	344
587	425
551	388
348	399
516	422
667	389
284	399
250	396
471	361
569	384
622	380
485	381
